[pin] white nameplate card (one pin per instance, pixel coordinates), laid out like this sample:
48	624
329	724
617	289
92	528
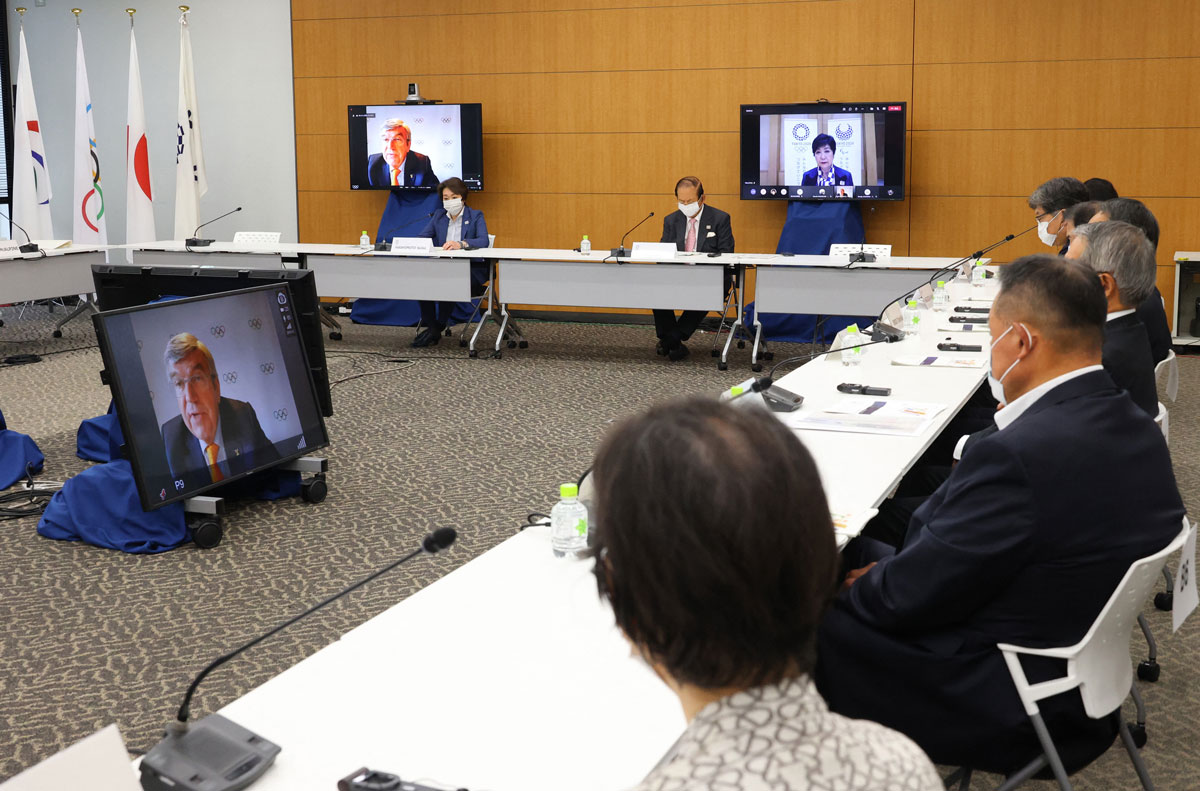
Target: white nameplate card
654	251
412	244
940	361
98	762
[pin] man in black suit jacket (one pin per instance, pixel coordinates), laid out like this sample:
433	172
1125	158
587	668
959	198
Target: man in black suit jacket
694	226
399	165
212	438
1123	258
1024	543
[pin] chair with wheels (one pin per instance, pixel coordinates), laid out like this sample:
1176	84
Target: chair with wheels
1098	666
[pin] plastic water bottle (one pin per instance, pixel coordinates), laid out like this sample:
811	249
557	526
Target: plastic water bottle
568	523
941	297
365	238
978	277
585	247
852	350
911	318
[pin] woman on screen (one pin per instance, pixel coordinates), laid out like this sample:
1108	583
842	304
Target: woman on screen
718	581
826	174
455	226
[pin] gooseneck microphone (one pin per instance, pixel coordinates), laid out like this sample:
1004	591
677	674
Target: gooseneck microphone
29	246
216	754
385	244
891	333
192	241
621	252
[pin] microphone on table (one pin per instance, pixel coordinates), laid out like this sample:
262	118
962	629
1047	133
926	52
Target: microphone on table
29	246
883	331
862	256
621	252
217	754
193	241
385	246
774	396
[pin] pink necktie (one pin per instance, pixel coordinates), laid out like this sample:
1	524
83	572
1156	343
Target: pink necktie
689	244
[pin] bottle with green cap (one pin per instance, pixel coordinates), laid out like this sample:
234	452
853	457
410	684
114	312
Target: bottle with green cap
568	523
364	238
852	350
910	317
941	297
585	246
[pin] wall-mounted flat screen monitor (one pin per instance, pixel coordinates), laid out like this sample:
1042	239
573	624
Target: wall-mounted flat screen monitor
127	285
209	389
823	151
415	146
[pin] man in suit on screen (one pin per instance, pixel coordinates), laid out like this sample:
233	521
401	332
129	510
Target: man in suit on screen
212	438
399	165
826	174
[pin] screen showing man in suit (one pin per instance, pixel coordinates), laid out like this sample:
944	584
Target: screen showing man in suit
211	435
398	165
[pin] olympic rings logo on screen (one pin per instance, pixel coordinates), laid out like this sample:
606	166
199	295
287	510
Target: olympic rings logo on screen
255	323
267	368
217	331
281	414
230	377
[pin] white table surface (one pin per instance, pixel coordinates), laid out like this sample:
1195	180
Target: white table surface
24	278
506	674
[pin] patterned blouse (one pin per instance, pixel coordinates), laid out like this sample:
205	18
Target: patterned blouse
784	738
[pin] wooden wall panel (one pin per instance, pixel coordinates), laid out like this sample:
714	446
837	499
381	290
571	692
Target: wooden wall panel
368	9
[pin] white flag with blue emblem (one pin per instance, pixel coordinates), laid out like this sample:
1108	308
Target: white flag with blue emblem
31	178
190	180
88	225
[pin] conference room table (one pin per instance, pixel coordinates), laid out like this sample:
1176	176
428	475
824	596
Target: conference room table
509	674
26	277
823	284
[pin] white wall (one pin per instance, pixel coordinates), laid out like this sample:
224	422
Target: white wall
242	51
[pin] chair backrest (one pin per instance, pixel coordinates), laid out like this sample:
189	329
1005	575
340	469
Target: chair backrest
1103	666
491	240
1170	365
877	250
1163	421
256	237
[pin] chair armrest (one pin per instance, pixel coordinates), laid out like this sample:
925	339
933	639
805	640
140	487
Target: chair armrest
1067	652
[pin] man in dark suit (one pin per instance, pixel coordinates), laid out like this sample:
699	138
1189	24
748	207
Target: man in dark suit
212	438
825	174
1024	543
399	165
1123	258
693	227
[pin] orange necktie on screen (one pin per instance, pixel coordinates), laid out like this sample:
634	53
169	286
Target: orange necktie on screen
396	177
210	453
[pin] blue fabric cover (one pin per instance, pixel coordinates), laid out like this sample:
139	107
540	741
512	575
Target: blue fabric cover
92	438
100	506
17	451
811	228
405	214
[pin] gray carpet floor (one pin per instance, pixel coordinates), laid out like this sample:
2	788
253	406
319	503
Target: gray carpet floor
92	636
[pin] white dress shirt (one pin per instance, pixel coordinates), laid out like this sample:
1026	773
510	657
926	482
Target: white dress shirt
454	229
1005	417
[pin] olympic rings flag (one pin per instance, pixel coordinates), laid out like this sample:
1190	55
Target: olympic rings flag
31	177
88	225
190	180
139	208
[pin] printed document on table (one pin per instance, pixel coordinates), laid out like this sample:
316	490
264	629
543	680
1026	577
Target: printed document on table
867	415
847	525
941	361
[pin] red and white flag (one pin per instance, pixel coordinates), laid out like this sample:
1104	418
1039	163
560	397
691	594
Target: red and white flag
88	226
139	205
31	177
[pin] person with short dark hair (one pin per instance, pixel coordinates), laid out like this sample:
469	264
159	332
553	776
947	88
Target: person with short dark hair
693	227
453	225
1023	543
1100	189
825	174
1081	214
1050	203
1123	258
397	165
1152	311
720	587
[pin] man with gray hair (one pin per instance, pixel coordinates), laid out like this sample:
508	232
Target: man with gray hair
1050	203
1123	258
212	438
399	165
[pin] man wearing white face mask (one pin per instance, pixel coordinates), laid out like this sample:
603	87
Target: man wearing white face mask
451	227
694	227
1037	512
1050	203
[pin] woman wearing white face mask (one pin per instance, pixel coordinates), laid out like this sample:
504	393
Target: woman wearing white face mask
452	227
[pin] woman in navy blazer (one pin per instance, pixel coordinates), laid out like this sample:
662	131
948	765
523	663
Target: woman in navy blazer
452	227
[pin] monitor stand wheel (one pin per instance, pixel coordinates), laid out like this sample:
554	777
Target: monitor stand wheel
206	532
314	489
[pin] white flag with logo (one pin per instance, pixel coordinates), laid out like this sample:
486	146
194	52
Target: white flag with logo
139	205
191	183
88	225
31	177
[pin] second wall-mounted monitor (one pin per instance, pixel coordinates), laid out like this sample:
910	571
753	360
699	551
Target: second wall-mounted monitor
415	146
823	151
